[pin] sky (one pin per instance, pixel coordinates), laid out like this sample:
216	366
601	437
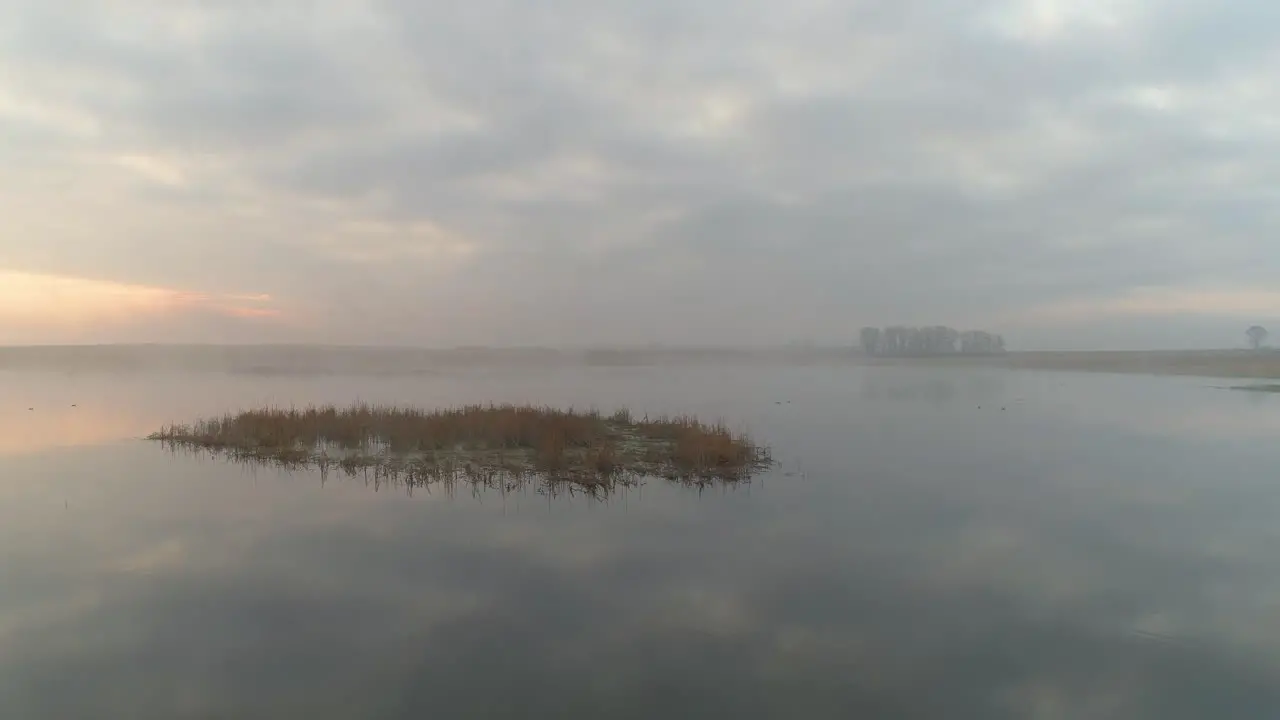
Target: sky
1072	174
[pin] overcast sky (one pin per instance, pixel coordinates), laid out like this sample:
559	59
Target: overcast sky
1072	173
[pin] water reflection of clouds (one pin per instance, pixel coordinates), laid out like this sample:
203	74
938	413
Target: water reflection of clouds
457	608
1236	421
28	431
1190	408
1006	585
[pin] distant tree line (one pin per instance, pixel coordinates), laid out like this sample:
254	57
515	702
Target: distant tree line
900	341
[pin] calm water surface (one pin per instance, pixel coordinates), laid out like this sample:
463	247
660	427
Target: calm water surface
957	543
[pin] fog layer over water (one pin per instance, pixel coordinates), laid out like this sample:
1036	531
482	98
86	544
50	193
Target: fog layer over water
933	543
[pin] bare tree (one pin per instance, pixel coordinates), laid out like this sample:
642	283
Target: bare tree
895	340
870	340
1257	335
929	341
947	338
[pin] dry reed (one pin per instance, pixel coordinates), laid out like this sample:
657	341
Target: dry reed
493	445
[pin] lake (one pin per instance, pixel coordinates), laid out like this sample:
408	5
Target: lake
933	542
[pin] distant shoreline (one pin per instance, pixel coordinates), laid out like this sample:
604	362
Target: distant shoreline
268	360
1200	363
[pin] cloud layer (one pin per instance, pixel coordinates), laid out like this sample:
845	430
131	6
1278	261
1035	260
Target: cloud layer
1072	174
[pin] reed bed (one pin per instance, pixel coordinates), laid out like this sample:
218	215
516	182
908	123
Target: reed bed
494	445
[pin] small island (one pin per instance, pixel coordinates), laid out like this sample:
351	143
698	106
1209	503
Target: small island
494	445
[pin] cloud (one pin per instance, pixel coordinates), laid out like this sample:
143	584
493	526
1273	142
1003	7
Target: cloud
582	172
52	306
154	169
1160	302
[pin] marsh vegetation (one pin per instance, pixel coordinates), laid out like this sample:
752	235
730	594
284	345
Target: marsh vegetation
496	445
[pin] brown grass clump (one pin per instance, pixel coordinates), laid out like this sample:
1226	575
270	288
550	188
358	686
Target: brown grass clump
605	458
493	443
